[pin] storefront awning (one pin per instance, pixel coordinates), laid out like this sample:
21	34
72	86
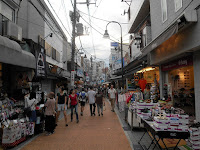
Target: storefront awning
11	53
116	77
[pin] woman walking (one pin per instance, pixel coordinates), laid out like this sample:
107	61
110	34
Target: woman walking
99	101
74	104
61	104
50	114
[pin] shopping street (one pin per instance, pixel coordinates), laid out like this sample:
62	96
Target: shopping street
92	132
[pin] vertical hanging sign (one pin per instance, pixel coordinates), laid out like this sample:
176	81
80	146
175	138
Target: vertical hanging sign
72	77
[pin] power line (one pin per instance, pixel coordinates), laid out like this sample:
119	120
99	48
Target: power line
59	18
91	30
97	8
104	30
65	10
99	18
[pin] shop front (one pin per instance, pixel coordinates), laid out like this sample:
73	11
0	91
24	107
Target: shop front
179	83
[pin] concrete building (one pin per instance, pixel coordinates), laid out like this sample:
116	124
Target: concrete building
167	33
39	25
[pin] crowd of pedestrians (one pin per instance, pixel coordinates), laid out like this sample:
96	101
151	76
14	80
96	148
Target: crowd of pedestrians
53	107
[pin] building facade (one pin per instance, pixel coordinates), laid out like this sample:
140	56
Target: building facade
166	33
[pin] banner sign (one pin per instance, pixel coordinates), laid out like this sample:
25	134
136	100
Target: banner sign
72	77
80	72
87	78
41	61
183	62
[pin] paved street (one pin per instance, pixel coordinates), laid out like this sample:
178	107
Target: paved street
100	133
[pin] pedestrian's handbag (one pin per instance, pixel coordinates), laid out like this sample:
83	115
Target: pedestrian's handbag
104	106
28	111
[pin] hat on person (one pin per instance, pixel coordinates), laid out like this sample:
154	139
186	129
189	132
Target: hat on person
51	95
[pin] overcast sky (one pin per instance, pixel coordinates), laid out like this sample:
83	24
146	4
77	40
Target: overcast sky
110	10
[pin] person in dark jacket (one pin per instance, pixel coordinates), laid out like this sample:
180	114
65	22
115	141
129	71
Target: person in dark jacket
99	101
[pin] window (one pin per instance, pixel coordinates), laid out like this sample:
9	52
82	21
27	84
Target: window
7	11
164	10
54	53
48	49
178	4
57	56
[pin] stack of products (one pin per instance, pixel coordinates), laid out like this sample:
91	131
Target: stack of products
194	140
171	122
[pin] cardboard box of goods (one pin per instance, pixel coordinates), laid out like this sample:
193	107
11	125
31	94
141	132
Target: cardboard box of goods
161	121
184	116
161	127
172	128
195	138
194	131
182	128
174	121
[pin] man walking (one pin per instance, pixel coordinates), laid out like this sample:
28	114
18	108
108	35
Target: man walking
112	95
91	96
82	96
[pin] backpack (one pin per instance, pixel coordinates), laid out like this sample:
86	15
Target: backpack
83	95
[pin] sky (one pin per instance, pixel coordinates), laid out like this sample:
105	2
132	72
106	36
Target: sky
94	44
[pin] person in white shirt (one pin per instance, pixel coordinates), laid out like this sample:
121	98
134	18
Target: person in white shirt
91	97
112	96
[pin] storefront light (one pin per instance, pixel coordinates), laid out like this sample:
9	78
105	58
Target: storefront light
146	69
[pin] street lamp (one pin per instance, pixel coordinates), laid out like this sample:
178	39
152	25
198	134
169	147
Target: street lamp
106	35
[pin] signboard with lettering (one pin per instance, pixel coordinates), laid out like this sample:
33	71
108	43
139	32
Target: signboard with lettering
41	63
72	77
183	62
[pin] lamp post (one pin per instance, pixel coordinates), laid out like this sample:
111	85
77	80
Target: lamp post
106	35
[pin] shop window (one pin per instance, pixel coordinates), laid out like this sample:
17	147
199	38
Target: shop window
178	4
164	10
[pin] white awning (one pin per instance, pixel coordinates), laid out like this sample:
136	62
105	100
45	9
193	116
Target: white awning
12	53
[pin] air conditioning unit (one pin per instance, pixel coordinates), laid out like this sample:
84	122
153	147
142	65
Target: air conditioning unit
12	30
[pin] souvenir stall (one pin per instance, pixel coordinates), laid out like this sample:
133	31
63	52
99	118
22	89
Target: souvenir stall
15	125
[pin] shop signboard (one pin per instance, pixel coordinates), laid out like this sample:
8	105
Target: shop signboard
182	62
72	77
80	72
87	78
114	44
41	61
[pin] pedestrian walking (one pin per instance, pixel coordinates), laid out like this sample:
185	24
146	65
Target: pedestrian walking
99	101
91	97
112	95
82	98
74	104
50	114
61	105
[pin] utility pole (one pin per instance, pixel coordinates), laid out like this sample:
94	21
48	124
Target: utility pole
74	19
73	36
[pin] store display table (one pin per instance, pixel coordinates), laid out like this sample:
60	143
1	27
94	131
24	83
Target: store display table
157	135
